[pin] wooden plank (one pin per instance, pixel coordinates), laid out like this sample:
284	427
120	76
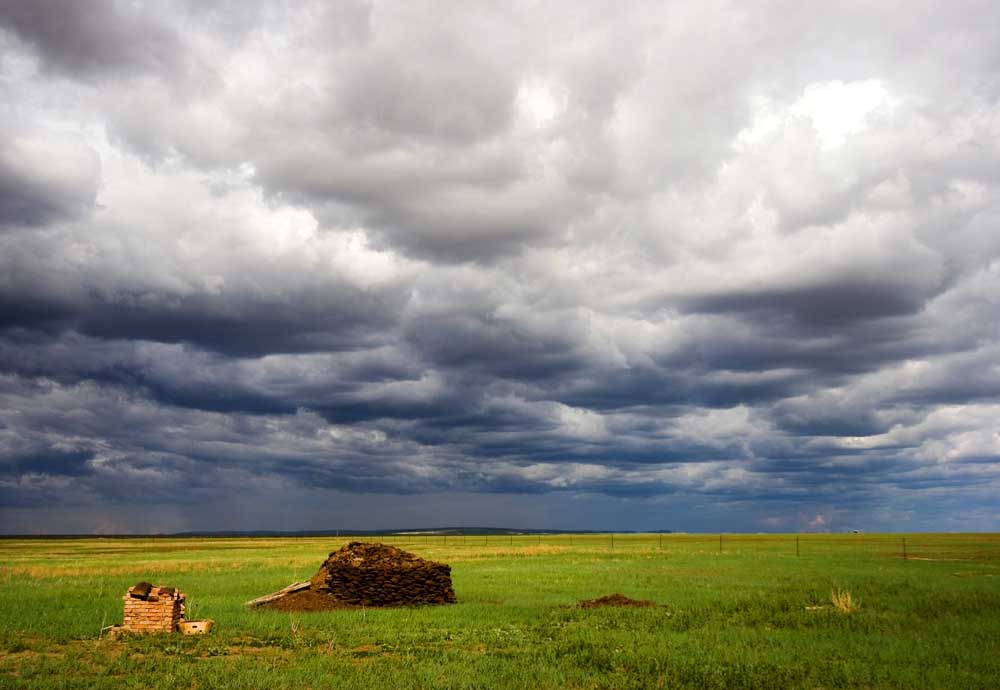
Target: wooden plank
290	589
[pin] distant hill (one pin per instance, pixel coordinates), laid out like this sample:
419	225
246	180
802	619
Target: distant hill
411	531
438	531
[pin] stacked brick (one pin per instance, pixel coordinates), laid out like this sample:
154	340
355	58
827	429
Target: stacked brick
381	575
150	609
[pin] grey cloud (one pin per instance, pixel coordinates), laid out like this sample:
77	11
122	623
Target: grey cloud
302	323
104	36
52	462
431	93
823	306
820	418
504	348
44	179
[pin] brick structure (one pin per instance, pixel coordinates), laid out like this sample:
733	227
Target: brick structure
151	609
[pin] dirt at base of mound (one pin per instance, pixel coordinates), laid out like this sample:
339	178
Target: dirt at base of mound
306	600
615	599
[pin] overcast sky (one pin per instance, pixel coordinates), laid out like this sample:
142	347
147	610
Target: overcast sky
670	265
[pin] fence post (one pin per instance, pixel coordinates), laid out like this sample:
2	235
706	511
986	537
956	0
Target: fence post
904	549
661	542
796	545
612	540
720	543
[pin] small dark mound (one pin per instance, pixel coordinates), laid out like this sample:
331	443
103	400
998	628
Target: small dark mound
615	599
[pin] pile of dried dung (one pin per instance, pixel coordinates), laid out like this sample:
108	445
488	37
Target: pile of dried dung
366	575
381	575
615	599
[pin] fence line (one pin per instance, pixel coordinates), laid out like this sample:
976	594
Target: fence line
906	547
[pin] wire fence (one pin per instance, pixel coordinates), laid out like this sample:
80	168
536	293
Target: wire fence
909	546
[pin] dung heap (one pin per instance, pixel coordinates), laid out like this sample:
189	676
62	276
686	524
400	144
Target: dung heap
381	575
365	575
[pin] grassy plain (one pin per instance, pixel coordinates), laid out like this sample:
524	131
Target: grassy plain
755	615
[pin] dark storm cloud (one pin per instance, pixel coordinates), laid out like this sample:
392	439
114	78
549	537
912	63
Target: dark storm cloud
304	323
807	420
44	178
102	36
495	347
235	329
827	306
17	312
52	462
30	203
587	264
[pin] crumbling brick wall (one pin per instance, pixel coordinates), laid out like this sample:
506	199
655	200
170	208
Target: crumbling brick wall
150	609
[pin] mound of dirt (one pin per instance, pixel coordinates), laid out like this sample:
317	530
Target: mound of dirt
305	600
382	575
615	599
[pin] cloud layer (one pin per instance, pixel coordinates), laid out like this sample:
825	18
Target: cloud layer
667	265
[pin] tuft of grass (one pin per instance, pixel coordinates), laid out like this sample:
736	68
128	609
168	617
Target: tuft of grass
843	601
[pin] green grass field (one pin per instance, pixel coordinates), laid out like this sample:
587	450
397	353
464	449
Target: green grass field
755	615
